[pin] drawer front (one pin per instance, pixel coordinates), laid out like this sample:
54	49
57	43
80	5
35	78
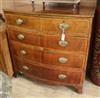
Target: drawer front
73	26
55	58
23	21
25	37
70	77
70	43
26	51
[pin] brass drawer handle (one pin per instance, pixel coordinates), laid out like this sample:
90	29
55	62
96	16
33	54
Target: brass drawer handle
63	60
62	76
64	26
19	21
20	36
25	67
63	43
23	52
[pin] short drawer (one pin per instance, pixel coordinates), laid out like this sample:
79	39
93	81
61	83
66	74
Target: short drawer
26	51
25	37
73	26
70	44
64	59
23	21
71	77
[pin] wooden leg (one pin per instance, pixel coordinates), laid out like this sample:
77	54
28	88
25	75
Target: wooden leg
33	5
44	6
79	89
16	75
78	7
74	7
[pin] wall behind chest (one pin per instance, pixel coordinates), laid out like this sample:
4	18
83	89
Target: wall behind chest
5	4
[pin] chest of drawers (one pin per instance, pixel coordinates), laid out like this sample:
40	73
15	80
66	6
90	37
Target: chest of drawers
38	52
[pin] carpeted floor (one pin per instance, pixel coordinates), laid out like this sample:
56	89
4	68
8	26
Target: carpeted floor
25	88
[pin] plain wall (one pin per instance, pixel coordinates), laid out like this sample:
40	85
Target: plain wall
5	4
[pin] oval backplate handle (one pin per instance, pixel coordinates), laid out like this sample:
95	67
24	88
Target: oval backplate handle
62	76
20	37
63	60
63	43
25	67
63	26
19	21
23	52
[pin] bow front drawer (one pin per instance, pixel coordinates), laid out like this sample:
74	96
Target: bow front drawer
39	72
72	26
23	21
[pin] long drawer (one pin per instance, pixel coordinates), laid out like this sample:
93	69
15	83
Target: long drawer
23	21
64	59
26	51
73	26
70	44
50	41
68	76
48	56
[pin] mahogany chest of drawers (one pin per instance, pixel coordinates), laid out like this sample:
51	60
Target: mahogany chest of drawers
50	47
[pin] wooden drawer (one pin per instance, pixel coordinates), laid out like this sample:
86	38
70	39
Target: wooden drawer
26	51
71	43
25	37
23	21
76	27
71	77
56	58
